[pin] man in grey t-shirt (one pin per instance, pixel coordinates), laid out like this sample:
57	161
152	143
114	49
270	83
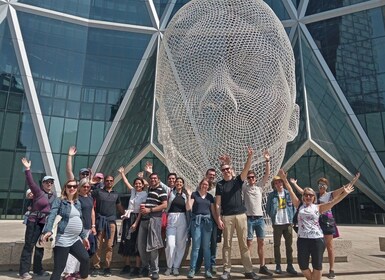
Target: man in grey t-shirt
252	196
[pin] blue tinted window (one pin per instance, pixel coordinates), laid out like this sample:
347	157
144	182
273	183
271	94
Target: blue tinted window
318	6
124	11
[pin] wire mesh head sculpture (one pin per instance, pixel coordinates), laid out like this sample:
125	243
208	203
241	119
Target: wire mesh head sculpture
225	81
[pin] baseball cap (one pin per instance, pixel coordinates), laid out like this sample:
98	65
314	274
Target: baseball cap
84	170
99	175
28	192
48	178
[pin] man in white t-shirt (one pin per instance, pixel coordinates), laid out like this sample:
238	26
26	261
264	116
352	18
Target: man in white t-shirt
281	211
252	196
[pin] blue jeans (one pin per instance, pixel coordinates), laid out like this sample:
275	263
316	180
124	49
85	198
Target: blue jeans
213	249
201	235
256	225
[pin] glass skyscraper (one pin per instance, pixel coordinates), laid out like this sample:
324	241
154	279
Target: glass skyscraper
82	72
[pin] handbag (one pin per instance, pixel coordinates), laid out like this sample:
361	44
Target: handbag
50	244
327	224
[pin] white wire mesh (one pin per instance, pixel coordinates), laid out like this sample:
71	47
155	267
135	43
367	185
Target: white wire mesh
225	81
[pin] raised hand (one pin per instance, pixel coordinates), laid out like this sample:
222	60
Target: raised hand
348	188
140	175
26	163
148	167
121	169
72	151
354	180
250	151
266	155
282	174
293	181
225	159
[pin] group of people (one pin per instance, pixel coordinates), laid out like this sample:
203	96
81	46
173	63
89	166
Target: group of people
168	215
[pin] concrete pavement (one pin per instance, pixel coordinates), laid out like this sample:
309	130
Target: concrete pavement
365	260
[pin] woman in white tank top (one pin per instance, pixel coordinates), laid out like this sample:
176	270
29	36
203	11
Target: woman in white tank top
310	237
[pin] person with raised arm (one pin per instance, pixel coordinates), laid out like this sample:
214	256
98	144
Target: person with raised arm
43	198
329	232
231	215
310	242
83	172
252	195
131	220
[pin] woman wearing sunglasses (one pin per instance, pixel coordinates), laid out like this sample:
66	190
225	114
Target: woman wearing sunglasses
71	270
310	242
71	238
324	196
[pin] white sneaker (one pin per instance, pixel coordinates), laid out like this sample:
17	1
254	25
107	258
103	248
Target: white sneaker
26	276
176	272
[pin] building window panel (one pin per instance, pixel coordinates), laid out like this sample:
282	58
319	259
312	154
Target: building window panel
55	133
11	131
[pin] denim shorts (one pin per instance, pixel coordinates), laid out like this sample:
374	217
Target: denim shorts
256	225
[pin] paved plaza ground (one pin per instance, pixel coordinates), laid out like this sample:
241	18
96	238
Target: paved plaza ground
365	260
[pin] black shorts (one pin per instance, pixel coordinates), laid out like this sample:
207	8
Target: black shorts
307	247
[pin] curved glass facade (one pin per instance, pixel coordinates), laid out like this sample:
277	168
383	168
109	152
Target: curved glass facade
83	73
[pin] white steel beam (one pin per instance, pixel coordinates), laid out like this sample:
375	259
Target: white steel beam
32	98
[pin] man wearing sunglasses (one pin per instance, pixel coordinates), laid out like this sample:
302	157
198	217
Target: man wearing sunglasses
231	213
107	201
252	194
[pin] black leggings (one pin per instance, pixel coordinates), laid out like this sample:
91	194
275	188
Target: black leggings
61	255
307	247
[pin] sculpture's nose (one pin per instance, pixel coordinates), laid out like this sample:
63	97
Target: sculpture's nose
218	92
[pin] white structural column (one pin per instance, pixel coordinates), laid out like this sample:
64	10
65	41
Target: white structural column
32	99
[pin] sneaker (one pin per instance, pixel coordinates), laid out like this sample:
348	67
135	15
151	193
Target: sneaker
208	274
107	272
126	269
331	274
135	271
95	272
225	276
290	269
167	272
264	270
175	272
252	275
278	269
155	275
26	276
191	274
213	270
42	273
145	272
